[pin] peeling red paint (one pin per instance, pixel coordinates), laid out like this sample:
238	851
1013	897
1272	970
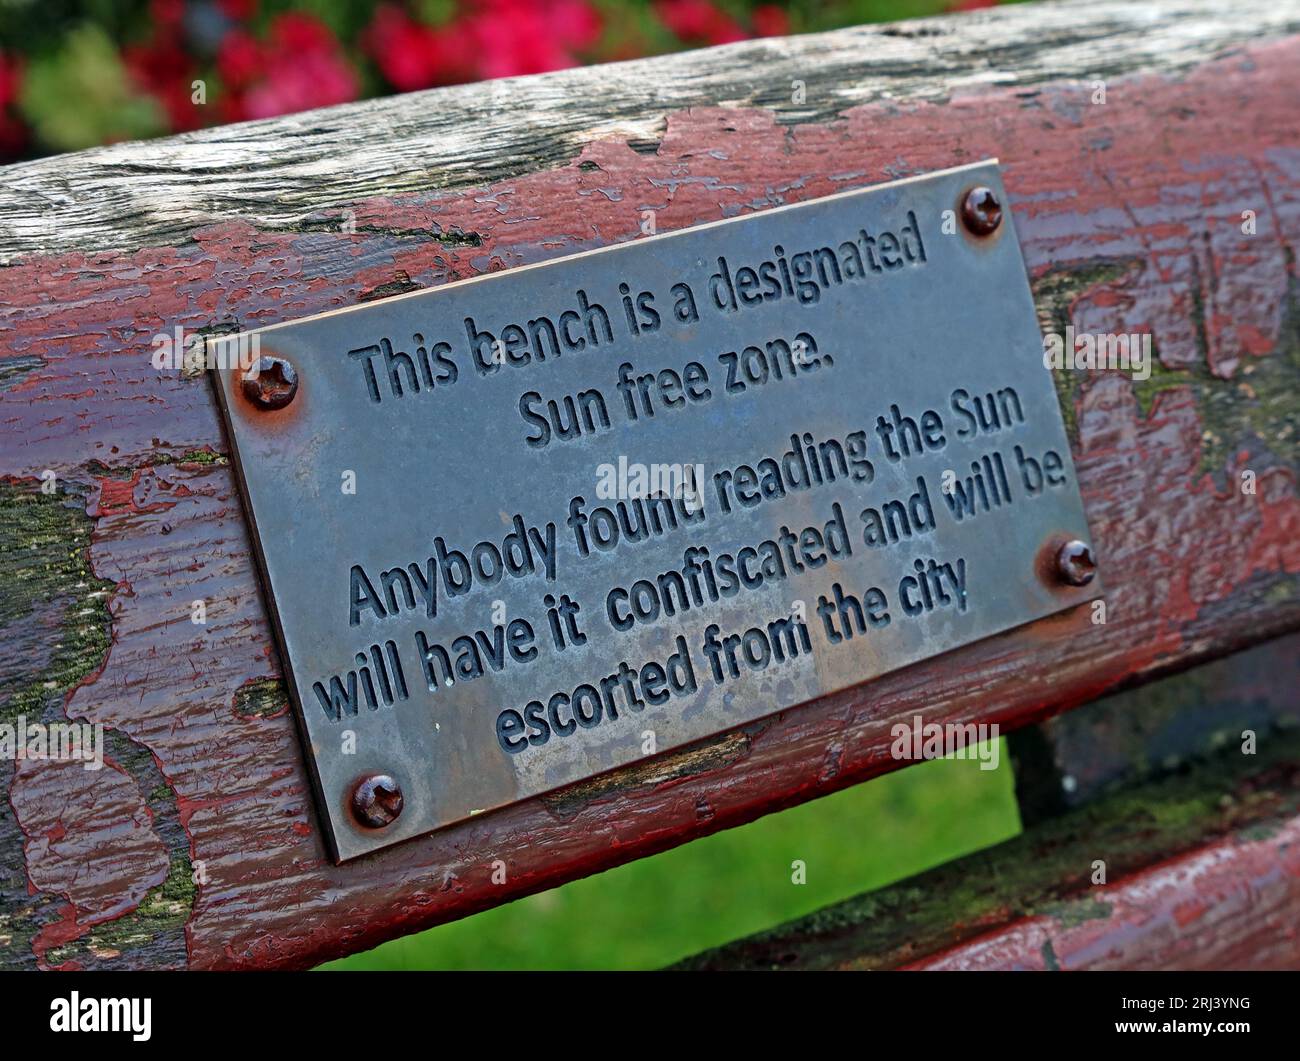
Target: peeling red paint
78	821
1175	544
1241	916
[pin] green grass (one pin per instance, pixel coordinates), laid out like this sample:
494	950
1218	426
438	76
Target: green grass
652	912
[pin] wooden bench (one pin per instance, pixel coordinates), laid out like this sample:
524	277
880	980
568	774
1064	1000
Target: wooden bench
1152	843
1173	207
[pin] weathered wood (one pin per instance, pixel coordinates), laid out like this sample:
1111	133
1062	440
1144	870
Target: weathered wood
1074	758
1202	871
297	173
199	845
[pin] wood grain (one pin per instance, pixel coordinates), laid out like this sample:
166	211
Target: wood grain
299	172
198	845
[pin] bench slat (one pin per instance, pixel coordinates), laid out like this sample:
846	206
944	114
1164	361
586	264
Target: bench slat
1202	871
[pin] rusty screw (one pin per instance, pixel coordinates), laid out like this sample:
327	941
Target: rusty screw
1075	564
376	801
270	383
981	211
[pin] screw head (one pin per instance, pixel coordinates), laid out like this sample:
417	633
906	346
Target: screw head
981	211
376	801
1075	564
270	382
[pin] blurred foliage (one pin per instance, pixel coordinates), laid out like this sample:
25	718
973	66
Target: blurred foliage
86	66
78	73
652	912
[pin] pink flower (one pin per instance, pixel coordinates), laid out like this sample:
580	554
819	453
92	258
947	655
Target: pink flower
10	72
576	24
770	21
13	134
312	79
166	13
517	37
239	59
295	31
515	43
408	53
300	66
699	21
162	68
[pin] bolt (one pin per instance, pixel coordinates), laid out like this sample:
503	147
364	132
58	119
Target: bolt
270	383
1075	564
981	211
376	801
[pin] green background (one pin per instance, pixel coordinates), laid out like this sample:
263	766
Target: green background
652	912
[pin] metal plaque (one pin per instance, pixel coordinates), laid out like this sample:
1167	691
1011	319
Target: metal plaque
532	526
